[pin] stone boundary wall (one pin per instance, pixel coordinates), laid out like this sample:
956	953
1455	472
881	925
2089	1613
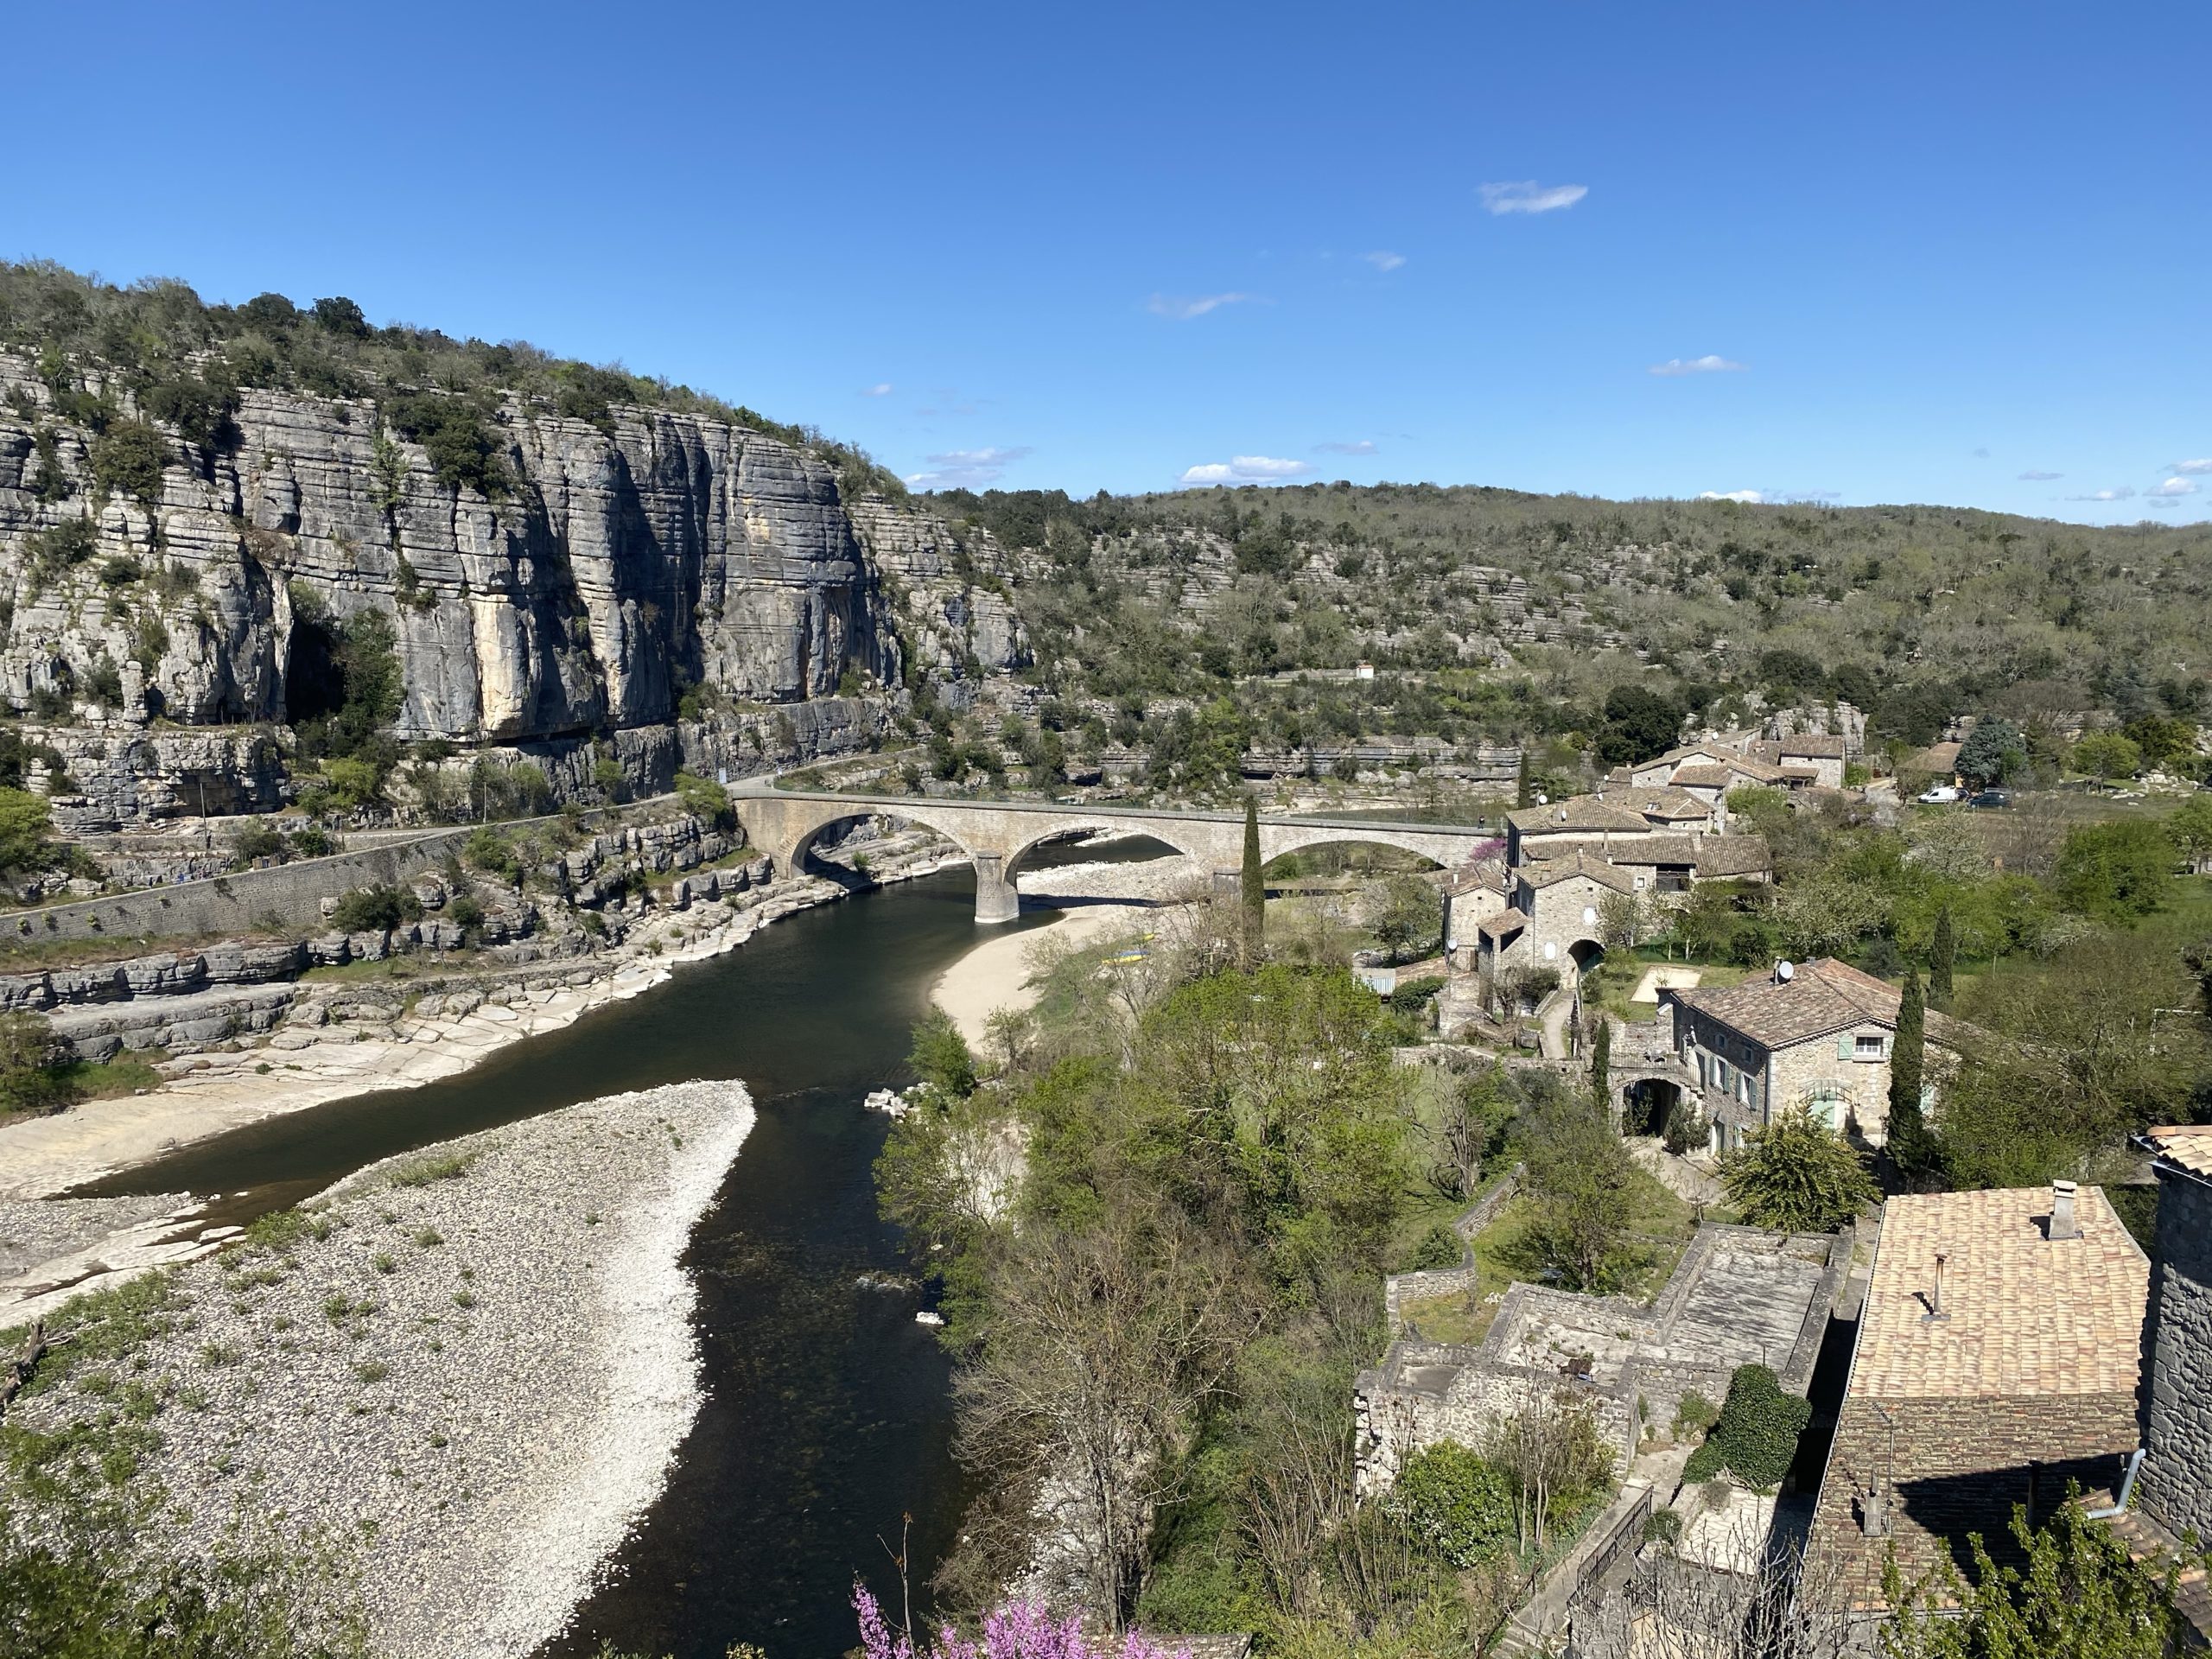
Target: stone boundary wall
283	899
286	899
1443	1281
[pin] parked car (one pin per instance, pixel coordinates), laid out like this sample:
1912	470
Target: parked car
1989	798
1942	795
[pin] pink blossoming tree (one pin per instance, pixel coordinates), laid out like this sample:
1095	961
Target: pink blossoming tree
1020	1630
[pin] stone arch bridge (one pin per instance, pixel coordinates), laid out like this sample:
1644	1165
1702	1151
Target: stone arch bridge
996	836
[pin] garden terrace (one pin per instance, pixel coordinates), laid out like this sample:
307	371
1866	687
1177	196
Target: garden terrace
1738	1296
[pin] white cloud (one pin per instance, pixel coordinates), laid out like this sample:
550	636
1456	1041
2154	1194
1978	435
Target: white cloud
1183	308
1384	261
2122	494
1711	363
966	469
2039	478
2172	488
1527	196
2203	465
1770	498
880	389
1244	469
1356	447
1751	497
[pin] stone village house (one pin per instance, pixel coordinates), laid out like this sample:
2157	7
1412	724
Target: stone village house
1540	907
1823	1036
1996	1362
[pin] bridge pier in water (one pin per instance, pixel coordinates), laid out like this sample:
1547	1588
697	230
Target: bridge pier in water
997	899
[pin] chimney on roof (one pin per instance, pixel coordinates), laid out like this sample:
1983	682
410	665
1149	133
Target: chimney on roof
1935	1296
2062	1224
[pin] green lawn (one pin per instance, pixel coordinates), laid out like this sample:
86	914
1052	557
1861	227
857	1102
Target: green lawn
1609	984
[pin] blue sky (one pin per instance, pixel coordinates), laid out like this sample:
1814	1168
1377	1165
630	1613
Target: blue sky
1955	253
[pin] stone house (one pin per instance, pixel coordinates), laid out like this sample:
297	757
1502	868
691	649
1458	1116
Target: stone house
2175	1487
1996	1362
1553	918
1821	1036
1709	769
1581	823
1813	758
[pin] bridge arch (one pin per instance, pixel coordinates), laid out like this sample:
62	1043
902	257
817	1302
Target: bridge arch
1074	827
801	848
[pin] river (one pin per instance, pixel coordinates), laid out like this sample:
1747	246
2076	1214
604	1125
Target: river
829	1414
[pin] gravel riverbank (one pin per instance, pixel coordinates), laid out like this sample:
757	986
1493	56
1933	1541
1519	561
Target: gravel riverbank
466	1370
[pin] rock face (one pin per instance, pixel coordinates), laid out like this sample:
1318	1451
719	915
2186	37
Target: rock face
622	567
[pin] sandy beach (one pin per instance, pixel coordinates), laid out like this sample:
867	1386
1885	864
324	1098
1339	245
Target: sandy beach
1095	901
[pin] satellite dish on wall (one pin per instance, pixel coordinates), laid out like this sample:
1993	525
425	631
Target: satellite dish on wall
1542	799
1784	971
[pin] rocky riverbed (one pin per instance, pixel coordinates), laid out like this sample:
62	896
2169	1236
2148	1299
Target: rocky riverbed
465	1371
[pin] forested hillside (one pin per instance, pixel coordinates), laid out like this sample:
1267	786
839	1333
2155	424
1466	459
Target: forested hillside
1522	611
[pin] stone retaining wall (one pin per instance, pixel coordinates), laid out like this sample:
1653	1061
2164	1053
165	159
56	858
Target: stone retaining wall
1399	1287
287	899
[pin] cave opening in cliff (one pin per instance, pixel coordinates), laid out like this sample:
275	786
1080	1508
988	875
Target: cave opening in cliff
341	680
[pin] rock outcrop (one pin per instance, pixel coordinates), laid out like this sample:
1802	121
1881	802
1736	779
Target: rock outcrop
620	568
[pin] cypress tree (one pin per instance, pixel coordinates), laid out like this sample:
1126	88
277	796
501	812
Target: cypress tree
1910	1144
1522	795
1601	1066
1255	888
1940	952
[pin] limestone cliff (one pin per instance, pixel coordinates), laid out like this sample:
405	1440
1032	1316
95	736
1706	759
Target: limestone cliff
621	566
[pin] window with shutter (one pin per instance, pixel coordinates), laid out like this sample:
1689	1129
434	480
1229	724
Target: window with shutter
1843	1047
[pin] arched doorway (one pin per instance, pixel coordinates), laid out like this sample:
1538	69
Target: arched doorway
1648	1104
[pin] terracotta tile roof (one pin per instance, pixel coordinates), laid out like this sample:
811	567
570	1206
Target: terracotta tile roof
1705	774
1726	855
1489	873
1647	850
1822	997
1660	801
1583	812
1549	872
1814	743
2024	1314
1936	757
1505	922
2027	1383
1758	771
2187	1144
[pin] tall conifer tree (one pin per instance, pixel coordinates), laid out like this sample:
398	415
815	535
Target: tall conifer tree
1254	887
1911	1144
1940	953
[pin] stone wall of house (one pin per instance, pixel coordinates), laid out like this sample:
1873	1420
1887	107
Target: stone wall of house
2175	1481
1805	1069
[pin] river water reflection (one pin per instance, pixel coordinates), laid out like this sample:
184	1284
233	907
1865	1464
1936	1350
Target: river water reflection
829	1414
